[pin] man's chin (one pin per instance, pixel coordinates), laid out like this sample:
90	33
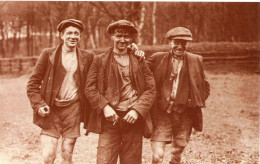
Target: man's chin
178	53
122	48
72	45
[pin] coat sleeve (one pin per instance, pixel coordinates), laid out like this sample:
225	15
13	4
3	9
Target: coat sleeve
151	62
35	82
205	81
96	99
146	99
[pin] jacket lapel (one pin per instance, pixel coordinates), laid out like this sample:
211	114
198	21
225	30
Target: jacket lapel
54	54
81	62
162	69
59	71
134	66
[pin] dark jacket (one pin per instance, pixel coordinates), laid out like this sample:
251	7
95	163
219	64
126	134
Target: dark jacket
97	80
46	79
198	86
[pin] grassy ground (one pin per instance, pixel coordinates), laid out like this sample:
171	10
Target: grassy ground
230	135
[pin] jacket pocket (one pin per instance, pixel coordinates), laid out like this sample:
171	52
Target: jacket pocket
42	122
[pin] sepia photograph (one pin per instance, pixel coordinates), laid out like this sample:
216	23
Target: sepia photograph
129	82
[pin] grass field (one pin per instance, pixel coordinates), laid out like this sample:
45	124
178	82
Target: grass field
230	134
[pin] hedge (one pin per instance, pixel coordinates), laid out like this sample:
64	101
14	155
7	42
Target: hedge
203	47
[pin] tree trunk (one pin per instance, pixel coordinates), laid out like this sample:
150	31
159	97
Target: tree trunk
2	49
141	25
154	23
28	37
97	34
91	37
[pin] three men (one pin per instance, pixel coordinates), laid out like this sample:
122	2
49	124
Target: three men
56	92
182	90
121	91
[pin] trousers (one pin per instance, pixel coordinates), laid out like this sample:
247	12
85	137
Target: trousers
121	140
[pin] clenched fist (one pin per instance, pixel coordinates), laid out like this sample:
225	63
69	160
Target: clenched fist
44	111
131	116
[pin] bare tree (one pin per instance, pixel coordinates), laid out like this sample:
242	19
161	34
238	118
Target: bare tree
154	23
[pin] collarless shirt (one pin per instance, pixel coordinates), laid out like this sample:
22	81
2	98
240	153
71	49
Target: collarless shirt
69	89
177	66
128	94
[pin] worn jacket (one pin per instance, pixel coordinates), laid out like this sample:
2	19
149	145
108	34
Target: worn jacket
46	79
142	81
199	88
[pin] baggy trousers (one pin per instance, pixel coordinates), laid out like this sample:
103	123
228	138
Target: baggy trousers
120	139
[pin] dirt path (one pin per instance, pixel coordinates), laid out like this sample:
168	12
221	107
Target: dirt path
230	135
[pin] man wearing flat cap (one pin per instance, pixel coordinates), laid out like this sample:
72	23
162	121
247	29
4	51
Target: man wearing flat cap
182	90
121	90
55	90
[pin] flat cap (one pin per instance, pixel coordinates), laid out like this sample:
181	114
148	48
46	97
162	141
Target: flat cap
179	33
121	23
68	22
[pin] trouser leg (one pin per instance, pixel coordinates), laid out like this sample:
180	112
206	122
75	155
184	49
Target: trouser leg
49	146
67	148
109	143
132	137
131	152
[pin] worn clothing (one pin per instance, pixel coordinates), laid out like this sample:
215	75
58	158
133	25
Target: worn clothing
106	84
128	95
121	139
47	77
178	106
66	121
177	66
193	88
69	89
102	88
173	127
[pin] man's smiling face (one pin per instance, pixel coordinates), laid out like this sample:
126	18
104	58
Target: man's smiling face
122	38
71	36
178	46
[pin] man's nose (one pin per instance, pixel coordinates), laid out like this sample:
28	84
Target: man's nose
74	36
122	39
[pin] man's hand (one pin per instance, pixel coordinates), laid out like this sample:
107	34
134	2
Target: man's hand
44	111
131	117
110	114
138	53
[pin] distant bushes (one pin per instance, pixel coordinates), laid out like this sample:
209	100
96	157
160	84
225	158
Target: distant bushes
202	48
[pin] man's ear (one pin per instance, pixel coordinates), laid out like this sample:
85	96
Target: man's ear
112	37
61	34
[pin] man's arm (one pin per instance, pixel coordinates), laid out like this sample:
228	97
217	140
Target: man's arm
96	99
205	81
35	82
145	101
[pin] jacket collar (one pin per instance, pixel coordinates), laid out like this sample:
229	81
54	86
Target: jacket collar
104	59
81	61
80	56
53	54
